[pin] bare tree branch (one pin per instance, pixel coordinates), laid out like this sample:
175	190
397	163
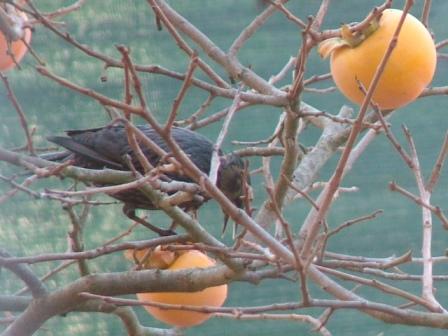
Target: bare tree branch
24	273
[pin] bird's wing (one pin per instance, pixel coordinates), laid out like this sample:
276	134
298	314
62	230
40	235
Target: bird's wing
84	151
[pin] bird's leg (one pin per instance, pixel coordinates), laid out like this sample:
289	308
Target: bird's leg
192	211
172	226
130	213
226	220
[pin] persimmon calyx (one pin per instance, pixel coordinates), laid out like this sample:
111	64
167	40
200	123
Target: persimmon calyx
156	258
348	38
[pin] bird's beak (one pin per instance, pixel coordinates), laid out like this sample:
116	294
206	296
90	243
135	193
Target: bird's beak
226	220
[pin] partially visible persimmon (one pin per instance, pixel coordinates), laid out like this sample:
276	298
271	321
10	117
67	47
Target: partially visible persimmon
212	296
409	70
17	48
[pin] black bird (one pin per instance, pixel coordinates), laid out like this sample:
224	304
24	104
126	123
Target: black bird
108	147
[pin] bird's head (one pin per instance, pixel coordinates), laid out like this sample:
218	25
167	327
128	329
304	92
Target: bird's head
233	178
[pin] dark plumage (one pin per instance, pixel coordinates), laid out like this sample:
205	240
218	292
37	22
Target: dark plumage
108	147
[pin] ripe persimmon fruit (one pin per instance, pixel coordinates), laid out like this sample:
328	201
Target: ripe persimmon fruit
212	296
408	71
17	48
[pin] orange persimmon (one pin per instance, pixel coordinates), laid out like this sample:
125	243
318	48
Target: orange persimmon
408	71
212	296
17	48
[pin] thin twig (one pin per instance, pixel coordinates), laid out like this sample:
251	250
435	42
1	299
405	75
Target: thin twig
184	45
290	16
290	241
260	151
76	237
354	221
215	160
303	194
94	253
18	187
425	13
20	113
194	117
250	30
182	92
393	186
393	140
380	286
436	170
282	73
427	280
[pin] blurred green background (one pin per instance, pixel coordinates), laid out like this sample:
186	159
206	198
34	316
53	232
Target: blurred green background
29	226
